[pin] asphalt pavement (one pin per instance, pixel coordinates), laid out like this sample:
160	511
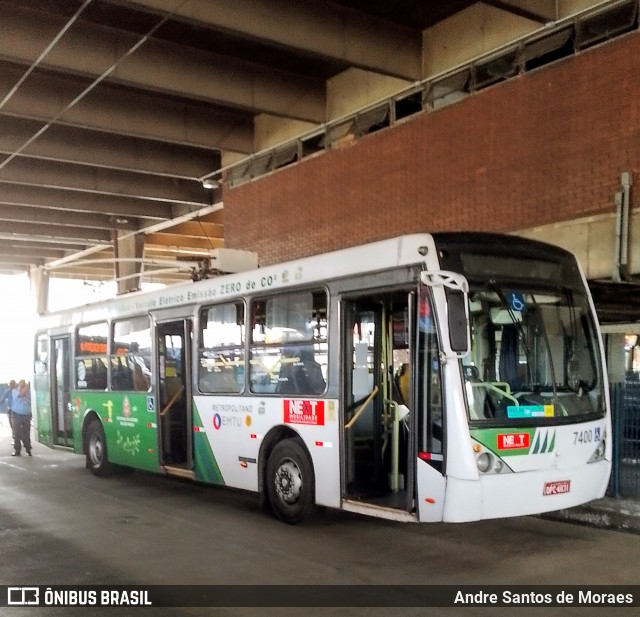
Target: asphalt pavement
606	513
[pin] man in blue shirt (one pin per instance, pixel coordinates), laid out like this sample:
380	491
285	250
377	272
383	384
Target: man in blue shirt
21	418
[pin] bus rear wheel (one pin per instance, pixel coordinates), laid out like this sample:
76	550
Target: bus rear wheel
290	481
97	460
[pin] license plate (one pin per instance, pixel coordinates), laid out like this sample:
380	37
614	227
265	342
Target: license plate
557	488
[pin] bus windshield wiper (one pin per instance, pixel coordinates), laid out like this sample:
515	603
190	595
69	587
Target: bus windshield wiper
556	401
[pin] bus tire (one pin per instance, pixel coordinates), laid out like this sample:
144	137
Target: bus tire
290	481
97	459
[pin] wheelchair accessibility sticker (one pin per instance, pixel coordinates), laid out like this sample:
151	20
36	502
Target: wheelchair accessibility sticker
516	301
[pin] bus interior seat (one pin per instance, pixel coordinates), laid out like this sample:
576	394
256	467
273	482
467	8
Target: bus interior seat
302	375
222	380
102	375
471	373
96	377
485	403
140	380
122	377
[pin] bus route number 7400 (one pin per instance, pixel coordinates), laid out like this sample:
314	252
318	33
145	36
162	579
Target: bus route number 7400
586	436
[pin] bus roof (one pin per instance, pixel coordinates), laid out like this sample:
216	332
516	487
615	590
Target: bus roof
372	257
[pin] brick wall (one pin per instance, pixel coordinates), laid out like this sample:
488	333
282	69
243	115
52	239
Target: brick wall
544	147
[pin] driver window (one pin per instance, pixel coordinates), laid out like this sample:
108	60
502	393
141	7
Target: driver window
430	417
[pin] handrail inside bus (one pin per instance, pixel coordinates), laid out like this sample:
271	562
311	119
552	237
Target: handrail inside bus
362	408
174	398
504	391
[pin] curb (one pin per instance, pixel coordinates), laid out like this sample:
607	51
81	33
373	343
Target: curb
612	514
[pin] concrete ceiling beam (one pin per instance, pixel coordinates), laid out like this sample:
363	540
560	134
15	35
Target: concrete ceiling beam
77	145
19	214
177	240
334	33
9	249
22	260
158	66
112	109
115	183
540	11
80	203
199	229
40	232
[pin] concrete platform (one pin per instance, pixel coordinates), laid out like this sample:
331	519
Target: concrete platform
606	513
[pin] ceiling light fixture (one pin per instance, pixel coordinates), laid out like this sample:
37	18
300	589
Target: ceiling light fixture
211	183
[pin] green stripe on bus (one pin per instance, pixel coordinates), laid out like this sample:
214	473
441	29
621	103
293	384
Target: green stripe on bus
206	466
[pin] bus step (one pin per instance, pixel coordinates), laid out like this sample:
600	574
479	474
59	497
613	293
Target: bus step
180	472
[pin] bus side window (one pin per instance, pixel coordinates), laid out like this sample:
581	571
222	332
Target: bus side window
289	344
91	356
221	355
131	354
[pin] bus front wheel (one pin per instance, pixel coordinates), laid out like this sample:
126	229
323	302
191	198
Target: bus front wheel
97	460
290	481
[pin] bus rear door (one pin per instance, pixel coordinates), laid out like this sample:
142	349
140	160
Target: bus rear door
61	413
173	345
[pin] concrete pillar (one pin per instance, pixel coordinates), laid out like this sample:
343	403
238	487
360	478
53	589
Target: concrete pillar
592	240
271	131
616	357
355	88
39	282
231	158
469	33
128	251
571	7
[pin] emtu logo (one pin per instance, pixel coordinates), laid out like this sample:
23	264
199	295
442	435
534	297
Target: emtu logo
217	422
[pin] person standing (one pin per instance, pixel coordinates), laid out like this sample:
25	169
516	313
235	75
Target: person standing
7	398
21	418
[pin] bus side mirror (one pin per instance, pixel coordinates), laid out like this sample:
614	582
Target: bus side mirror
456	290
458	322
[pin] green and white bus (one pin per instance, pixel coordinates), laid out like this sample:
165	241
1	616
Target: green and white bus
445	377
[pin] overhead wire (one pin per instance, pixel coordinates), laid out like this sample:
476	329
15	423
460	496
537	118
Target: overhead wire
44	53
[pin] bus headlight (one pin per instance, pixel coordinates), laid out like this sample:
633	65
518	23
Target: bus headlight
598	455
483	461
487	462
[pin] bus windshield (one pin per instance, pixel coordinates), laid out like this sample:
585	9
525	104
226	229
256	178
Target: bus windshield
534	356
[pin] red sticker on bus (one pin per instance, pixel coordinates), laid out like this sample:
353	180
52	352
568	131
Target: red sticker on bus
298	411
513	441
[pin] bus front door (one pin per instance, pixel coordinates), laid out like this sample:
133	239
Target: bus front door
61	413
173	342
377	399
